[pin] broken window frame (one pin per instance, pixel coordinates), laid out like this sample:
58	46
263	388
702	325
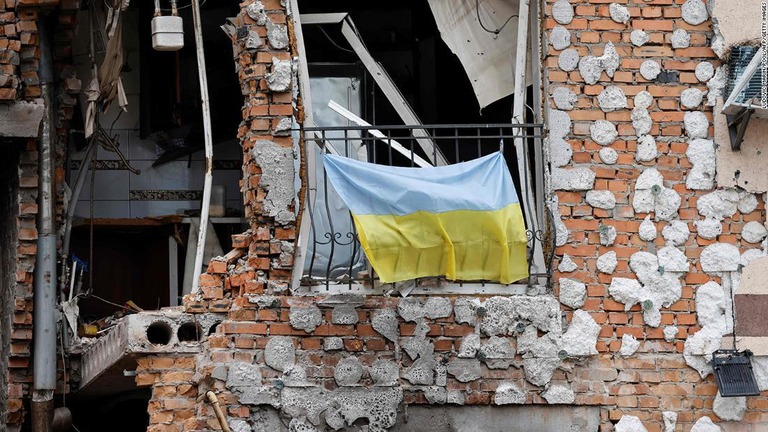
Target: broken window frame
536	216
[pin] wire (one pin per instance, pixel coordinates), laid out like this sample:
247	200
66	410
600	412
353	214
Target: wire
333	42
108	302
203	2
498	30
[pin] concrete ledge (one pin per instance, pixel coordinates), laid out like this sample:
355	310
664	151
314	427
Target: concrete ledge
21	119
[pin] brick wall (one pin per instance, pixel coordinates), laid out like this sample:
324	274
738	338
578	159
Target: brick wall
302	353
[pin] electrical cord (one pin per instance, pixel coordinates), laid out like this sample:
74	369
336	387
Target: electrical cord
333	42
498	30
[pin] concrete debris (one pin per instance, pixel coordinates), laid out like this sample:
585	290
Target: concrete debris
559	394
612	98
701	153
581	337
421	372
602	199
639	37
384	373
730	408
647	231
607	235
691	98
670	332
333	344
348	371
280	354
652	196
418	346
716	85
441	374
603	132
279	78
708	228
548	345
568	60
607	262
256	12
562	12
561	231
277	35
641	121
465	370
718	41
413	309
253	40
502	314
566	265
539	370
704	71
705	424
673	260
680	39
643	99
573	179
629	344
497	353
305	318
564	98
243	376
560	38
696	124
650	69
436	395
676	233
344	314
236	425
591	67
694	12
219	372
296	376
646	149
670	420
508	393
343	407
753	232
608	155
619	13
720	257
559	124
385	322
277	178
629	423
470	344
464	310
572	293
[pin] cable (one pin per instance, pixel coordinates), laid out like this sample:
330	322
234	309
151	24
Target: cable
108	302
498	30
333	42
202	3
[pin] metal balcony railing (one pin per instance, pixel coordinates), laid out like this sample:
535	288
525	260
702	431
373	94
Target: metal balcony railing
334	256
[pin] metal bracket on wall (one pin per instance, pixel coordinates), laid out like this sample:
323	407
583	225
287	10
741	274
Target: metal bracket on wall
737	126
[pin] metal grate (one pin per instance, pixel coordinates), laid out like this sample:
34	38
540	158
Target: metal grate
740	58
733	372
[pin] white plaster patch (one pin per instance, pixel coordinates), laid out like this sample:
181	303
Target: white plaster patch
720	257
673	260
572	293
560	152
564	98
629	344
567	265
646	149
508	393
704	71
629	423
619	13
643	99
694	12
676	233
591	67
680	39
710	305
691	98
670	420
559	124
747	202
608	155
716	85
607	235
719	204
559	394
670	332
753	232
562	12
708	228
607	262
603	132
696	124
698	349
651	196
625	291
568	59
705	424
730	408
639	37
573	179
718	41
641	120
612	98
650	69
601	199
561	231
581	337
560	38
701	154
647	231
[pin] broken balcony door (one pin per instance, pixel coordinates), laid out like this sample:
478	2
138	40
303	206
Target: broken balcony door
333	248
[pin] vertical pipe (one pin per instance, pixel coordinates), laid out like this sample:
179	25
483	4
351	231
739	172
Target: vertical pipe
205	103
44	324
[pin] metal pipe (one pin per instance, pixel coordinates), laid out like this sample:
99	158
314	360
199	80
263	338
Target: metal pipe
44	382
214	401
205	103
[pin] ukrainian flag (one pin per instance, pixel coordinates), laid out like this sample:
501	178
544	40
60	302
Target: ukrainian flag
461	221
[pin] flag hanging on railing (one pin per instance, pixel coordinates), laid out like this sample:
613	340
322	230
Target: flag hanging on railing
461	221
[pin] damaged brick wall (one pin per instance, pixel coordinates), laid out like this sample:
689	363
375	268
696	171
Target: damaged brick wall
649	250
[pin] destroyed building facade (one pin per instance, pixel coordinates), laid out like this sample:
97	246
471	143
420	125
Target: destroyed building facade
646	222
